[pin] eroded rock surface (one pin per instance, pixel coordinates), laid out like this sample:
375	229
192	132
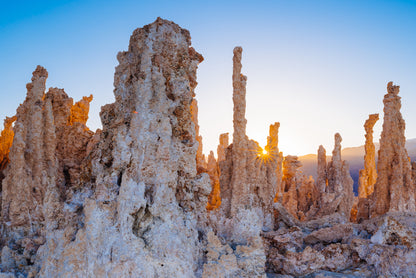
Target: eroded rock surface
43	175
146	215
368	175
338	196
394	189
139	199
332	247
299	191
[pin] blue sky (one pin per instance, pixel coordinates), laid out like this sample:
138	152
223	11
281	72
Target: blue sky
317	67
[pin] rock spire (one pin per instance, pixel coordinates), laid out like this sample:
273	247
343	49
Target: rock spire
394	189
147	212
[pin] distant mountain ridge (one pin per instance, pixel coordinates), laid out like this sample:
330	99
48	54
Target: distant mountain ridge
354	156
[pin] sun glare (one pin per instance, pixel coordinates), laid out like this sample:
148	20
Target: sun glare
264	152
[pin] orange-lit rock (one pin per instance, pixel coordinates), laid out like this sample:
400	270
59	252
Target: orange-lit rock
6	140
222	147
214	198
394	189
369	157
80	110
368	175
200	158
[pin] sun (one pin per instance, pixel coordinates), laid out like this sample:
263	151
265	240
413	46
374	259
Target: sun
263	155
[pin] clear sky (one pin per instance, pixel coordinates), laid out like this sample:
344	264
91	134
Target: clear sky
317	67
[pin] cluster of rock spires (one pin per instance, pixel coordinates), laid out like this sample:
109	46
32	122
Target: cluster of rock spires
139	199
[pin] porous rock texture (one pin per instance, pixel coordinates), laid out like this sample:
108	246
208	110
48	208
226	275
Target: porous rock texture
299	191
332	247
214	198
248	185
248	176
201	164
43	176
131	200
394	189
322	179
146	215
368	175
214	172
338	196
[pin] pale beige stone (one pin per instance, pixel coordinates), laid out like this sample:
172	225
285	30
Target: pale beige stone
394	190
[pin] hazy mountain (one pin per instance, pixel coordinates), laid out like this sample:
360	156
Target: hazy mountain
354	156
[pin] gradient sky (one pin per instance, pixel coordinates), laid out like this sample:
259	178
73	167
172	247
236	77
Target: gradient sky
317	67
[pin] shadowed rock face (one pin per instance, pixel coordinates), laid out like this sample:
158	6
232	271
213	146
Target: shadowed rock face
299	193
394	189
248	176
44	170
146	214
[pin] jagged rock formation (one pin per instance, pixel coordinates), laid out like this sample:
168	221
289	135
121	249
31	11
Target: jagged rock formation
44	170
248	176
394	189
248	185
299	191
338	196
213	170
222	147
240	189
200	158
368	175
79	111
146	214
214	198
322	179
133	199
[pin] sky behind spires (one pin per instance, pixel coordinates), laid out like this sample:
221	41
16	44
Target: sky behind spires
317	67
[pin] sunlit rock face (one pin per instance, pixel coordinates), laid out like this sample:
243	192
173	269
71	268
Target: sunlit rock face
43	174
214	199
201	164
394	189
6	140
368	175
